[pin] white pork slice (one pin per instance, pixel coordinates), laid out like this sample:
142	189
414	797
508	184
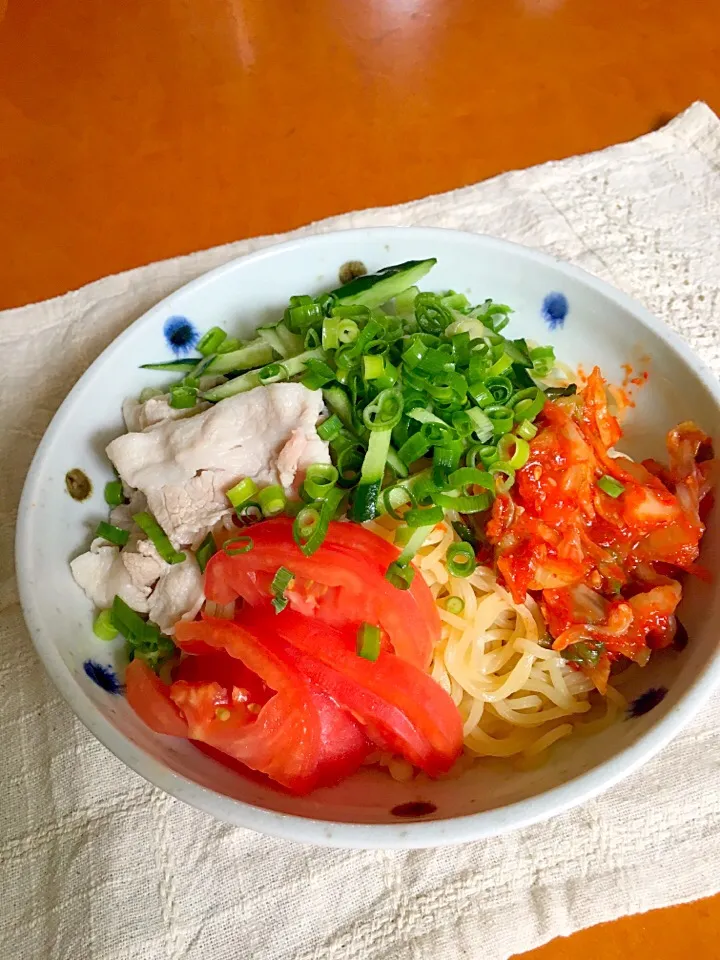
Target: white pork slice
184	467
141	415
102	573
167	592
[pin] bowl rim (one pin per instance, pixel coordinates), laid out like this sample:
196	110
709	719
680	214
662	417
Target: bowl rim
334	833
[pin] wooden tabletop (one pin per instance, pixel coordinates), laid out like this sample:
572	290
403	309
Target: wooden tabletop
136	130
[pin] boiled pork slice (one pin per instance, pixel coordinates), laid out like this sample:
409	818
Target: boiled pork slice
184	467
166	592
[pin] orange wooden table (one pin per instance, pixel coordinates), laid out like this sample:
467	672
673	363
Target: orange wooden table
142	129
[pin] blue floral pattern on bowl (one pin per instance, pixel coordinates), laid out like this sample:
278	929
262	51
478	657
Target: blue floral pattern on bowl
180	334
555	309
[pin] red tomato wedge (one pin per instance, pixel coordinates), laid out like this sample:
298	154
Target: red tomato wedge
404	709
300	737
351	558
150	699
229	672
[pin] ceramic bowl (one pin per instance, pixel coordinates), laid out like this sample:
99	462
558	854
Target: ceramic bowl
587	321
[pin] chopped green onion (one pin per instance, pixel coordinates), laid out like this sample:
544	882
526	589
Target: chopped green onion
242	491
114	495
272	500
311	525
368	641
272	373
471	477
483	425
502	364
330	428
543	360
423	516
318	374
280	582
239	546
455	605
330	338
513	450
413	542
610	486
462	503
112	534
320	478
501	418
210	342
501	388
205	551
486	453
400	575
394	497
384	412
103	627
183	397
157	536
347	331
373	366
528	403
480	394
414	447
250	511
349	465
446	457
461	559
130	624
501	467
526	430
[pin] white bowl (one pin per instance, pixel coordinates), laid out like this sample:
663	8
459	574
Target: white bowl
601	326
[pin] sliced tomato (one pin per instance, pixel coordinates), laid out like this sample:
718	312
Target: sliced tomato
403	708
352	559
299	738
229	672
150	699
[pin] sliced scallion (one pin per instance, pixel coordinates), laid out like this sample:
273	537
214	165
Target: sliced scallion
368	641
400	575
210	342
280	582
241	492
112	534
157	536
515	451
205	551
238	546
455	605
461	559
272	500
320	478
114	495
103	627
610	486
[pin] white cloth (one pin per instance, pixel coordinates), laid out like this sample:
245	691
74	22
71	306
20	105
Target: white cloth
98	865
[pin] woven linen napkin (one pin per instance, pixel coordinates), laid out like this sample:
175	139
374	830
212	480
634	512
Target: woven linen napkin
99	865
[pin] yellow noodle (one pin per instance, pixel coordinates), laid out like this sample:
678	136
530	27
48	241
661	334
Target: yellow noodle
516	696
